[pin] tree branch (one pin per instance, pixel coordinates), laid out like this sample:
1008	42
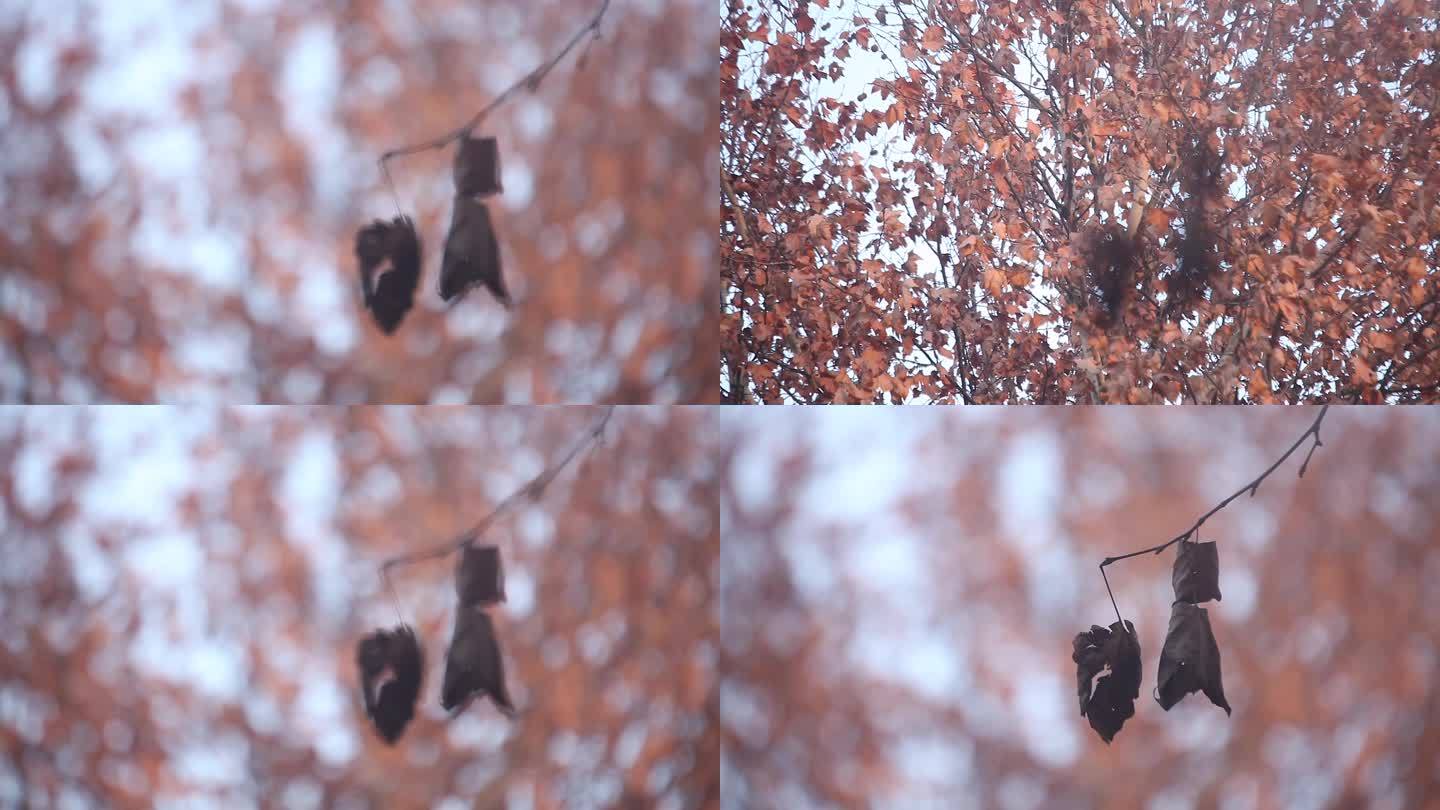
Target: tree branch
530	81
534	489
1254	486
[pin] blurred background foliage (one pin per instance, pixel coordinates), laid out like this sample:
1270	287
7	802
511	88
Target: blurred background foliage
901	592
182	182
183	590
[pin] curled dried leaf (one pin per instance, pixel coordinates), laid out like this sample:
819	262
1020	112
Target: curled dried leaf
472	256
1190	661
479	576
1196	576
1107	676
474	666
391	668
389	255
477	167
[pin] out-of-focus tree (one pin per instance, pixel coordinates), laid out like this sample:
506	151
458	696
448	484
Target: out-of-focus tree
900	598
183	181
183	591
1080	201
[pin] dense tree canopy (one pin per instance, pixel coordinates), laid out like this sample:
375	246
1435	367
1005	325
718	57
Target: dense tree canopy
1080	201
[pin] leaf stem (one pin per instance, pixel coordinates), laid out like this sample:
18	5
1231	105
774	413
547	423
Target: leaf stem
1118	617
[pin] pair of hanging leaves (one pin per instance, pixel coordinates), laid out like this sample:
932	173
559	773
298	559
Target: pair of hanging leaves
1190	661
472	256
389	252
1108	660
474	666
392	664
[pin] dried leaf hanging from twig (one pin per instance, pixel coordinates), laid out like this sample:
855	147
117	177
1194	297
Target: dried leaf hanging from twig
389	254
477	167
391	668
1190	661
1197	572
479	576
472	256
473	666
1107	676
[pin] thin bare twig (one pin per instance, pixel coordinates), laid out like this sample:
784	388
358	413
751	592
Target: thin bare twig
530	81
533	490
1312	432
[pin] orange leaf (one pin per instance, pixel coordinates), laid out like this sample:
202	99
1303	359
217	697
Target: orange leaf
1363	374
934	38
1381	341
994	281
1270	215
873	361
896	113
819	227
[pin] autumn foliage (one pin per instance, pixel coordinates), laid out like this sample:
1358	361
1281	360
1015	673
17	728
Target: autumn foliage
907	187
902	597
194	612
182	185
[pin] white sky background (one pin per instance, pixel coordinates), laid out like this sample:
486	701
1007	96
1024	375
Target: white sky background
866	461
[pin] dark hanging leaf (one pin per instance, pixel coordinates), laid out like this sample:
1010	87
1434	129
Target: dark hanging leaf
472	256
479	577
477	167
1190	661
1107	676
1197	572
389	254
474	667
391	667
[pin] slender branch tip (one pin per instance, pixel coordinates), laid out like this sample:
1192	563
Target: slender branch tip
1313	432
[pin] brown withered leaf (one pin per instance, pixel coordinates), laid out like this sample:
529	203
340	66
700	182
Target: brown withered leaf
477	167
479	576
1107	676
474	666
1196	576
391	669
472	256
1190	661
389	255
